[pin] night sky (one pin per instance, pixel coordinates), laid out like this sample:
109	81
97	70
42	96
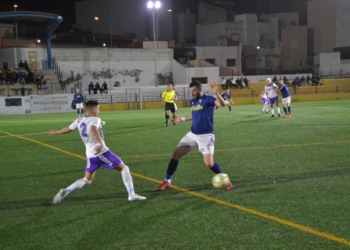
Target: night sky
66	8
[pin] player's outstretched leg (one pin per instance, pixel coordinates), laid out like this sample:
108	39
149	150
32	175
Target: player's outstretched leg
127	180
289	114
217	170
172	166
78	184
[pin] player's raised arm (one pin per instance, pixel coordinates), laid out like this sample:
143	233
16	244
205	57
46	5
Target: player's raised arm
220	102
65	130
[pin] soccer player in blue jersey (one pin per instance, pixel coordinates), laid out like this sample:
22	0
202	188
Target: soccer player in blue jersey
79	101
286	99
201	134
227	98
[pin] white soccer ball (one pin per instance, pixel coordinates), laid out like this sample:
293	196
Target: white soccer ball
220	180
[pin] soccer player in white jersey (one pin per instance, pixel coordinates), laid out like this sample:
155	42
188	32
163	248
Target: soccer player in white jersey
201	134
97	153
265	101
271	93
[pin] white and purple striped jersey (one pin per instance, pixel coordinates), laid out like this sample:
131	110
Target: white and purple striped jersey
83	124
270	90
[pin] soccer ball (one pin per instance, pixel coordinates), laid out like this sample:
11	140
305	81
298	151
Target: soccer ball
220	180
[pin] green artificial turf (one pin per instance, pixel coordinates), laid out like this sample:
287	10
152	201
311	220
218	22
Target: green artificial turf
291	182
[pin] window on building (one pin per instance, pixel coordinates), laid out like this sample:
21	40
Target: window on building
293	23
231	62
211	61
200	79
290	64
294	43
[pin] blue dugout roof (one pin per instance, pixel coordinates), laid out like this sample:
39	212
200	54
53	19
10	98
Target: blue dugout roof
49	21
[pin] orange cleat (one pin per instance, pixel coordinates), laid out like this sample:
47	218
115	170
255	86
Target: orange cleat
229	186
163	186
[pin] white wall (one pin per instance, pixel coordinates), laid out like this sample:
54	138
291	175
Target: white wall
330	64
124	16
342	24
179	73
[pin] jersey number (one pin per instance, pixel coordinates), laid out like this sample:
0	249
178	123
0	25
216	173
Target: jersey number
83	132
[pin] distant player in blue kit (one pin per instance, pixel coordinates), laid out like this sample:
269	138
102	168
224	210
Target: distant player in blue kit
79	102
97	153
286	99
227	98
201	134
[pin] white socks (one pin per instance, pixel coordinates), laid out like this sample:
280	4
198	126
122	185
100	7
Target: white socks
278	110
78	184
127	180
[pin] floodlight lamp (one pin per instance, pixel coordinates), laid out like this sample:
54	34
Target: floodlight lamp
150	5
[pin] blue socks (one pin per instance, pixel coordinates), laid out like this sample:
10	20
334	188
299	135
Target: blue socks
216	168
171	169
285	110
288	109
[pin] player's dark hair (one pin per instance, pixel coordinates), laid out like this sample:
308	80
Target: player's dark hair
195	84
91	104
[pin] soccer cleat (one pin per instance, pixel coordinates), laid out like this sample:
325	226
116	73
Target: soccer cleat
163	186
279	114
289	116
272	115
230	111
286	116
214	110
59	196
136	197
229	186
266	112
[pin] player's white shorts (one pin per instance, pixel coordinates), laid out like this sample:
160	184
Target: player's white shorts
79	105
227	102
286	100
204	142
175	106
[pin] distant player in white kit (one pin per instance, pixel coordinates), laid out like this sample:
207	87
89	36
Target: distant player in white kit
265	101
97	153
271	93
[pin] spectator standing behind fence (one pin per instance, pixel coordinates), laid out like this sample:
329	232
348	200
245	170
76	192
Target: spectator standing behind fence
245	80
21	65
104	87
91	87
303	80
308	80
26	66
97	87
